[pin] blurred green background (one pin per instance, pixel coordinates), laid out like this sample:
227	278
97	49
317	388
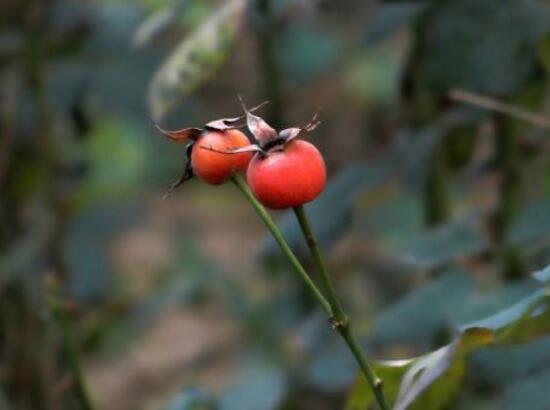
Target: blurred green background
435	218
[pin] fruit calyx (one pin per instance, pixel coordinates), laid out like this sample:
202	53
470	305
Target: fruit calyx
191	135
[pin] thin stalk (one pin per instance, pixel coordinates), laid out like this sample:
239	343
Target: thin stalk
340	320
331	306
260	210
78	383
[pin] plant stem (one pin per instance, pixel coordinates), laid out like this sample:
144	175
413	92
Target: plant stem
338	314
339	319
278	236
78	382
331	306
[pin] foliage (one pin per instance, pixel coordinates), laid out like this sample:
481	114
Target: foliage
435	214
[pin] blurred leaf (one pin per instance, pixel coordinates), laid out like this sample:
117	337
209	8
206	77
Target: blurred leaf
395	221
544	52
444	244
530	393
306	52
420	315
460	44
415	146
259	384
500	365
192	398
85	247
374	77
446	366
390	18
157	23
430	380
338	200
119	156
195	60
510	315
332	367
483	303
543	275
532	223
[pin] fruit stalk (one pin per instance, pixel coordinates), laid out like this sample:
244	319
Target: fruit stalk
278	236
339	319
331	306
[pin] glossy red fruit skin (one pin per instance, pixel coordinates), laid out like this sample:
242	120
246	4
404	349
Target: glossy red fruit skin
214	167
288	178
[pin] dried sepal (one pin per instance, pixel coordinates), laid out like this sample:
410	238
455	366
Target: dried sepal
186	175
224	124
183	135
290	133
261	130
231	151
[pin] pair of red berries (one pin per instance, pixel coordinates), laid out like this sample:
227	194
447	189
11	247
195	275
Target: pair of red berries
282	171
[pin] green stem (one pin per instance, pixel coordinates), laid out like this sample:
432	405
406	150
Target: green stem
338	314
339	319
331	306
241	184
78	382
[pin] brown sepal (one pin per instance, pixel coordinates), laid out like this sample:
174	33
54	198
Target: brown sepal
289	134
186	175
262	131
183	135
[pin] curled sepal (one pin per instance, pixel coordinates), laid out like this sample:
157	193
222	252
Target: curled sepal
262	131
290	133
230	123
231	151
186	175
183	135
223	124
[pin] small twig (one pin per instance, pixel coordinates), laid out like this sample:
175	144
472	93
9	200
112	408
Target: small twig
501	107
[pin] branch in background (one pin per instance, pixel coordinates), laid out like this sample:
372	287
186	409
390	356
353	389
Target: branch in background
267	49
501	107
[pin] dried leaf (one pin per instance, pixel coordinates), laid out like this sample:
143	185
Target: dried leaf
196	59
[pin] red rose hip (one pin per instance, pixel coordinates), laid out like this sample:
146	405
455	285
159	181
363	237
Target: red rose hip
216	167
289	177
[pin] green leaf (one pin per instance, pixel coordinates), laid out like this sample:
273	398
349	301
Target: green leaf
543	275
429	381
445	244
446	365
259	384
196	59
391	18
532	223
544	52
156	24
419	316
530	393
501	365
192	398
391	371
460	44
